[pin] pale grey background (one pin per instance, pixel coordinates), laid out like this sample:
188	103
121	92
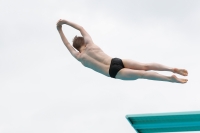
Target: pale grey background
44	89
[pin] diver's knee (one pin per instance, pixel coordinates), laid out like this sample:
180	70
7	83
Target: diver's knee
146	67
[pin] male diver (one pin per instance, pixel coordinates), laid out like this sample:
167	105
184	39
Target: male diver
92	56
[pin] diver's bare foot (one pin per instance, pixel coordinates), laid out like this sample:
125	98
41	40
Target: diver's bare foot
178	80
180	71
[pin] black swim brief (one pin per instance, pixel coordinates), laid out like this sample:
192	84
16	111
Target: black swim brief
115	66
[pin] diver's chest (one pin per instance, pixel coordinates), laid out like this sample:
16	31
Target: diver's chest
90	53
92	50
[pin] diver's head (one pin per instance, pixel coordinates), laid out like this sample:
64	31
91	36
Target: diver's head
78	42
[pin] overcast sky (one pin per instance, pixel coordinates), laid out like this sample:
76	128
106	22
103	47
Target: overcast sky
43	89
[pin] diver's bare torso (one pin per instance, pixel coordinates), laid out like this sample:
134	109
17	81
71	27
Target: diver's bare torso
93	57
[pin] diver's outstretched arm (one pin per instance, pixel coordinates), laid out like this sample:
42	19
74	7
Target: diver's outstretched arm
86	36
65	41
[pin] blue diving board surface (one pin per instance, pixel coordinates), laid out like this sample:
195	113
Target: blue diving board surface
165	122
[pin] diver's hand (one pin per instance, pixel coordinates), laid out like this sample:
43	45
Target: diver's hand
61	22
59	27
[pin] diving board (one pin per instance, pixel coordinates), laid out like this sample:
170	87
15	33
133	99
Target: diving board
165	122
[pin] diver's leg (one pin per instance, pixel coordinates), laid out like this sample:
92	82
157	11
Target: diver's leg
130	74
152	66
